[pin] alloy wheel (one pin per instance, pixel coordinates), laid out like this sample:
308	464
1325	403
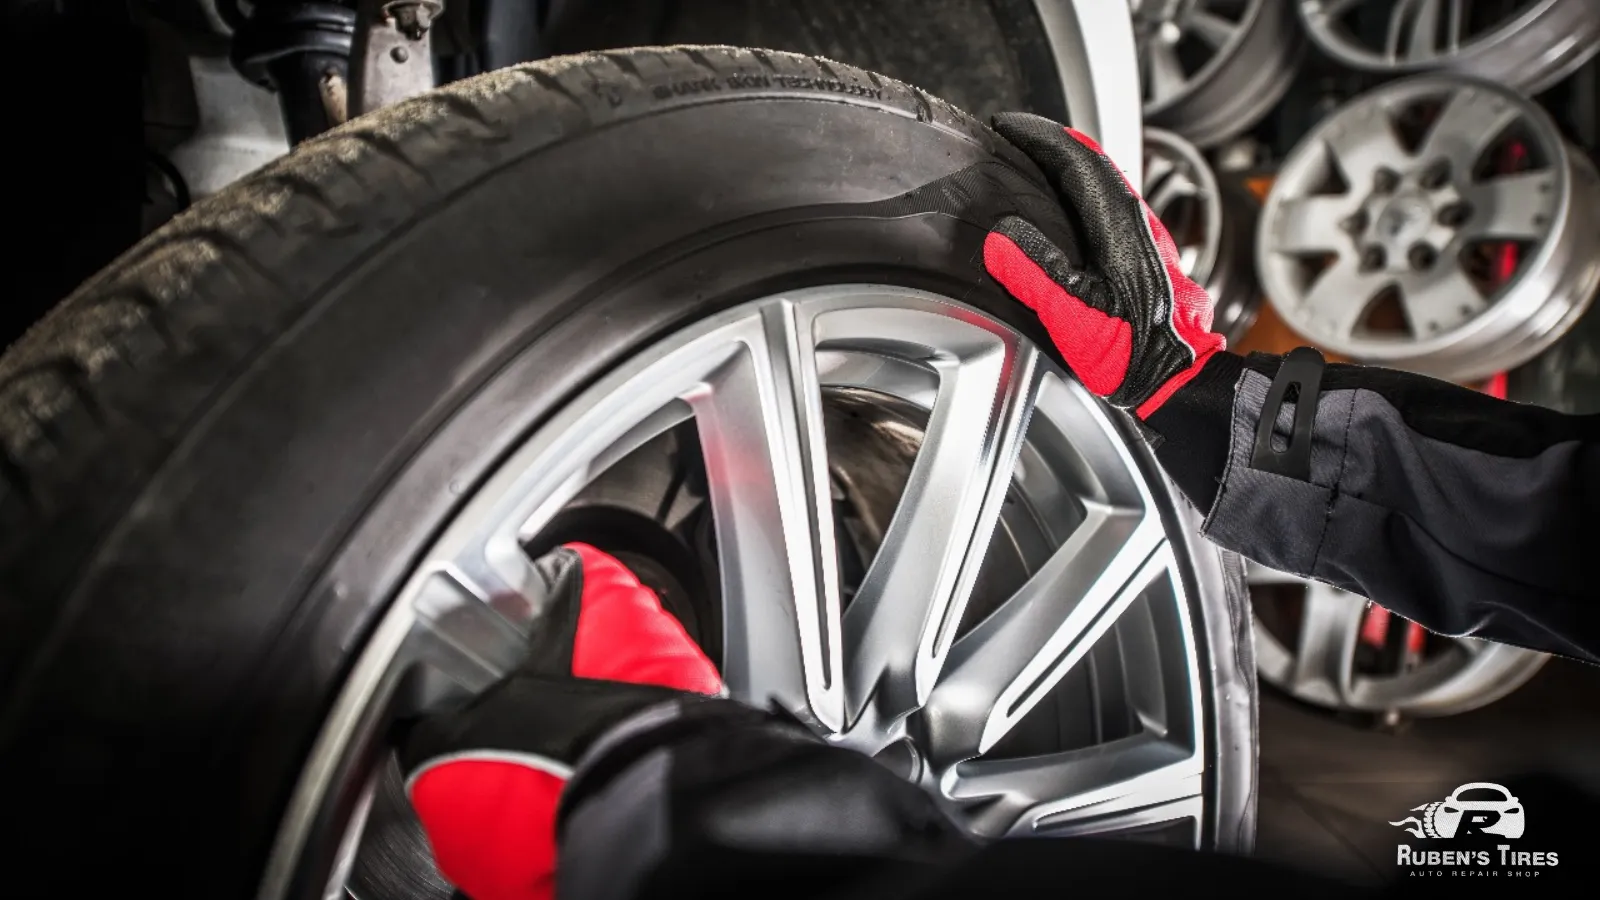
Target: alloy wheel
1331	648
1015	636
1211	227
1527	45
1438	224
1210	69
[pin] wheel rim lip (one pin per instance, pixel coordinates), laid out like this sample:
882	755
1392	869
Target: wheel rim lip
1455	682
374	676
1222	266
1212	106
1219	59
1160	142
1474	57
1510	330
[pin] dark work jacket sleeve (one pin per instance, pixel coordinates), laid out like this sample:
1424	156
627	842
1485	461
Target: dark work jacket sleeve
710	798
1467	514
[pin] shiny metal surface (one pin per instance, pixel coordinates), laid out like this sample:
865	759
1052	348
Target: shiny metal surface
1407	219
1093	45
1210	69
1212	229
897	670
1317	662
1527	45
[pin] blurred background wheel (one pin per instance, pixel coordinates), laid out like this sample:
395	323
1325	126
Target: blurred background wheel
1437	224
1212	224
1526	45
1333	649
1211	69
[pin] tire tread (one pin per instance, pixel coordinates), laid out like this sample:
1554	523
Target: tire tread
98	393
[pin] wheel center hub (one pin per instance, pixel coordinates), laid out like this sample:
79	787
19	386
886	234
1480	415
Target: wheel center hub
1404	219
1160	17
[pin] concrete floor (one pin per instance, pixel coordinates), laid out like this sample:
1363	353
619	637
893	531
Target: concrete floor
1330	788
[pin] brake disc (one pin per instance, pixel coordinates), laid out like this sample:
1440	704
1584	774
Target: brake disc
1210	224
1439	224
1527	45
1333	649
1213	68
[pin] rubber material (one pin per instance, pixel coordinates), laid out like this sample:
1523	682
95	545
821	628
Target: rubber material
986	56
219	458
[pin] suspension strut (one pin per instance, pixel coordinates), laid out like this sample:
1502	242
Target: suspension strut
328	60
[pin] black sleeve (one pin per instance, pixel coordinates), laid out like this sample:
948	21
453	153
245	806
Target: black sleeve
714	799
1467	514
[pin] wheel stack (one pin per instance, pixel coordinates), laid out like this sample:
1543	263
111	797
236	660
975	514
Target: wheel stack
1428	201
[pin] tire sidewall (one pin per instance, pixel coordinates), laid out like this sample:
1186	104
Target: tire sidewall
276	538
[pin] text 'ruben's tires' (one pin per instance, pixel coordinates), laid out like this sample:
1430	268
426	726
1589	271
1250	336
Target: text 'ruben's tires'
230	462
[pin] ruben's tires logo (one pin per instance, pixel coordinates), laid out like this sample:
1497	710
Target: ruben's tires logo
1496	812
1481	816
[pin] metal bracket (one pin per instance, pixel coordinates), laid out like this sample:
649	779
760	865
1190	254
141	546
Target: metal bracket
393	57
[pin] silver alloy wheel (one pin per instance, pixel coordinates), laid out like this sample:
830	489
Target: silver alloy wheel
1312	655
894	671
1211	228
1212	68
1359	219
1529	46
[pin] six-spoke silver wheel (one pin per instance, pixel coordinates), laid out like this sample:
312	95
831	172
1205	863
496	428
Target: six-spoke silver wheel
1439	224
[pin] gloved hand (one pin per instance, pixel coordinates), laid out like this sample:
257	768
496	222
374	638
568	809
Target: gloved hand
1130	324
486	779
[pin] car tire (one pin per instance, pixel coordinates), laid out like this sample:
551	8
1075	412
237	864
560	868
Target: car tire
221	455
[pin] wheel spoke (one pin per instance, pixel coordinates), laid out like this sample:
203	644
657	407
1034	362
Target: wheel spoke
1439	300
1165	70
1211	28
1158	167
1306	226
1095	789
1511	207
1470	122
1168	190
760	425
1339	297
1325	647
900	623
460	635
1457	25
1002	668
1359	149
1419	22
481	590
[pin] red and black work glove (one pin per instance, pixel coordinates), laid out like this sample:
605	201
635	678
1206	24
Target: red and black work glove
1132	327
486	780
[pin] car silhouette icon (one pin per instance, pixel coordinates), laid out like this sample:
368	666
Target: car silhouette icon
1484	808
1490	808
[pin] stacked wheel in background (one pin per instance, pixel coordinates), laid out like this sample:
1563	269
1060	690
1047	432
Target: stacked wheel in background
1422	210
